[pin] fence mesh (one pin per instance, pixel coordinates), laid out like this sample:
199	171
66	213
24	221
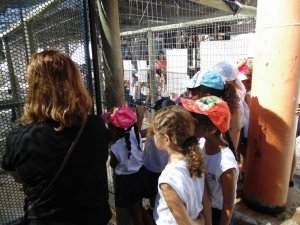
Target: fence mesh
167	42
27	27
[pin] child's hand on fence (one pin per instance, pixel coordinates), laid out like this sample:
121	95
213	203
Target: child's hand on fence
140	117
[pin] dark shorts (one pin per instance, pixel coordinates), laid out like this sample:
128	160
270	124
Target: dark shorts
152	183
216	217
130	189
242	147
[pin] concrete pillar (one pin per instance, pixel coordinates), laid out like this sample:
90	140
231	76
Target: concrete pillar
274	100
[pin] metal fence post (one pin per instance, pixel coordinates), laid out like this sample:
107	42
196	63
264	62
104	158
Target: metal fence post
85	30
153	88
93	35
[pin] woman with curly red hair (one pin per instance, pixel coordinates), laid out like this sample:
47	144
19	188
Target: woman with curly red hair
59	152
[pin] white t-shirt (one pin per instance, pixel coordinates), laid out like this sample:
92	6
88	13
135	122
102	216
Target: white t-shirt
216	165
125	165
190	190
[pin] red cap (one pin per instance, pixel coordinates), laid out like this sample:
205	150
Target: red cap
215	108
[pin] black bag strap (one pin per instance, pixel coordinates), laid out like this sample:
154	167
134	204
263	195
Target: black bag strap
62	166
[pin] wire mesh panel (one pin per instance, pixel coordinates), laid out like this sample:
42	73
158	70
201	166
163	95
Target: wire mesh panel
27	27
185	37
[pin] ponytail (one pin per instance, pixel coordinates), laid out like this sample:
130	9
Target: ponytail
194	157
230	143
137	135
230	96
127	141
127	138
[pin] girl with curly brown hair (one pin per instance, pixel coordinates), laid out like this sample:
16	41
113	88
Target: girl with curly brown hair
181	194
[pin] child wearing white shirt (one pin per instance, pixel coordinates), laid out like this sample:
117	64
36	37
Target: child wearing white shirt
127	160
181	195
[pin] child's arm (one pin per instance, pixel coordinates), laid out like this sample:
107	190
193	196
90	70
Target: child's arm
113	162
235	127
206	206
241	63
177	207
140	117
228	182
248	99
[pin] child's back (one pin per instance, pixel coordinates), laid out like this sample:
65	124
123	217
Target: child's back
126	159
127	165
217	164
190	191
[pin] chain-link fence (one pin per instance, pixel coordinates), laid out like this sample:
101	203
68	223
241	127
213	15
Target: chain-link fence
27	27
166	42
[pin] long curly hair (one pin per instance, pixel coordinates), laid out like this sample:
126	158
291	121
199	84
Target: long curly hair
177	123
56	91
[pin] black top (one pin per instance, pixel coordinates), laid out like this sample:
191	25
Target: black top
80	194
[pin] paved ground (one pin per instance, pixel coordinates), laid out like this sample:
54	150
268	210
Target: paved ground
291	216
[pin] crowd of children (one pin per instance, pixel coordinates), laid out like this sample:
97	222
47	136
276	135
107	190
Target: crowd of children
173	168
193	156
197	145
188	167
